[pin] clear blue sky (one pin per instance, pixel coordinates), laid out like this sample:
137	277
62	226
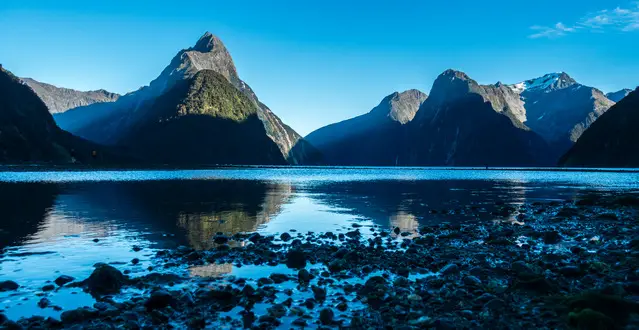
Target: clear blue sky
315	62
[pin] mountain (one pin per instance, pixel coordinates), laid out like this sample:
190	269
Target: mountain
374	138
463	123
560	109
59	100
618	95
29	134
114	123
611	141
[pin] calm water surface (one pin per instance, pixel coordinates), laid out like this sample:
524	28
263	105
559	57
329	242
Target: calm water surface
54	223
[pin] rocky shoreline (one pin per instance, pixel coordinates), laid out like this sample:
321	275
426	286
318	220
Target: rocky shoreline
554	265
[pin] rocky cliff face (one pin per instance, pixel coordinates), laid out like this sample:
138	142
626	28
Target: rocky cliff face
465	124
618	95
108	124
560	109
59	100
374	138
612	140
29	134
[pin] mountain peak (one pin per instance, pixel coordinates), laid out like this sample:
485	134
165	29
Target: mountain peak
207	43
546	83
454	74
619	95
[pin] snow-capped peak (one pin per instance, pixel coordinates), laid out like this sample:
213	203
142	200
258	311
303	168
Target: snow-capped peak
550	81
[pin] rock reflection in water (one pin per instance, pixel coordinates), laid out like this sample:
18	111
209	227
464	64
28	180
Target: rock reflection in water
211	270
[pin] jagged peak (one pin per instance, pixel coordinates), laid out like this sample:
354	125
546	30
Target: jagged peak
547	82
454	74
207	43
401	107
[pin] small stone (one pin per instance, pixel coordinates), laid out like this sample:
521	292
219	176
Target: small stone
449	269
137	248
319	293
495	304
277	310
264	281
159	299
552	237
105	279
520	267
570	271
278	278
64	279
220	239
326	316
44	303
8	286
95	240
342	306
78	315
295	259
285	237
48	287
135	261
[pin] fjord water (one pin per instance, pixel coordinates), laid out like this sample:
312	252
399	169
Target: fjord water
63	222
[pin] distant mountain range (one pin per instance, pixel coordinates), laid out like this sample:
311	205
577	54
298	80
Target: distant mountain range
198	111
28	133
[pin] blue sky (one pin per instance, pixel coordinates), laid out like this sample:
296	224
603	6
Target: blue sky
315	62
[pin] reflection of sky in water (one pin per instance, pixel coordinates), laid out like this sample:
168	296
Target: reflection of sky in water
48	229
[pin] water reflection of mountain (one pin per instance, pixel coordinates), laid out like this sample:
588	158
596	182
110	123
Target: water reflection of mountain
406	204
23	206
198	209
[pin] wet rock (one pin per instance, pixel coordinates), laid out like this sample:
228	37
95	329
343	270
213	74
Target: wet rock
537	284
520	267
136	248
78	315
354	234
342	306
3	318
64	279
278	278
300	322
8	286
422	321
295	259
101	306
220	239
319	293
304	276
551	237
277	310
105	279
285	237
472	280
326	316
264	281
590	319
336	265
449	269
44	303
48	287
570	271
135	261
495	304
159	299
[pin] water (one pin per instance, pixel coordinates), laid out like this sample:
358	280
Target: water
62	222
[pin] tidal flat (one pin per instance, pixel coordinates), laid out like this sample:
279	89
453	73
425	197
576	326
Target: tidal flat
308	248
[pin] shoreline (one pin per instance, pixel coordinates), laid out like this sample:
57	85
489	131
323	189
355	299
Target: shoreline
560	265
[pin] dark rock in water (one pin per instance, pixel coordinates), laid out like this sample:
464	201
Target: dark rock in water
11	325
353	234
552	237
48	287
319	293
159	299
278	278
64	279
495	304
570	271
300	322
78	315
277	310
336	265
614	307
472	280
537	284
220	239
264	281
105	279
326	316
304	276
449	269
3	318
295	259
136	248
342	307
8	286
135	261
520	267
285	237
44	303
255	237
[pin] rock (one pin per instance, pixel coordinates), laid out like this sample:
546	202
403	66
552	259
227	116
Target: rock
8	286
105	279
285	237
220	239
570	271
101	306
472	280
304	276
277	310
48	287
551	237
3	318
64	279
136	248
300	322
278	278
44	303
342	306
264	281
449	269
423	321
495	304
159	299
78	315
336	265
295	259
520	267
590	319
326	316
135	261
319	293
